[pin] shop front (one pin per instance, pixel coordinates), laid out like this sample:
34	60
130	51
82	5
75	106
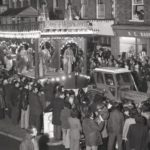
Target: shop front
132	41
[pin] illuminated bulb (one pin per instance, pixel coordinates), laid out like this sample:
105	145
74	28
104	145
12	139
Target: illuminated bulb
57	79
63	78
53	79
69	76
88	77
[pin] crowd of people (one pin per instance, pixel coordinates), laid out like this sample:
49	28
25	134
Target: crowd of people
104	125
20	57
15	56
79	122
138	64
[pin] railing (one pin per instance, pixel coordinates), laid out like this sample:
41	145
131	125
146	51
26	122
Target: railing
58	25
67	24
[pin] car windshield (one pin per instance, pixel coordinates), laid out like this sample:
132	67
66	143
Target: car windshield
125	79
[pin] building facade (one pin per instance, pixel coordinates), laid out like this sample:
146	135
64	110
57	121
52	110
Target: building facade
81	25
85	9
131	28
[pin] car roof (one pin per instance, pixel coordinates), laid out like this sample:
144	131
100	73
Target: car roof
113	70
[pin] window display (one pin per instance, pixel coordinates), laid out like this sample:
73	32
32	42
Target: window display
131	46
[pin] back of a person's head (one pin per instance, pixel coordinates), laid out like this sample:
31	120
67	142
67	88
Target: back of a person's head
43	142
67	105
71	93
117	106
133	113
140	120
74	113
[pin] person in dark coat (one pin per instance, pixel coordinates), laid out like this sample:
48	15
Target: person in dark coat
2	105
7	97
115	127
91	130
75	130
36	109
24	104
15	100
56	106
103	111
138	135
65	114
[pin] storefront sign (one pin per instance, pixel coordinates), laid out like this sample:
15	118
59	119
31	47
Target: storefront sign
130	33
139	34
57	24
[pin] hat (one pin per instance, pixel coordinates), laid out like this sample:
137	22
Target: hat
140	119
71	92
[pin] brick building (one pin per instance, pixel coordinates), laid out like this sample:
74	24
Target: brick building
96	10
132	31
86	9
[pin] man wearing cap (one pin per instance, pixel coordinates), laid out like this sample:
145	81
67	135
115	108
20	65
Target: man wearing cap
36	108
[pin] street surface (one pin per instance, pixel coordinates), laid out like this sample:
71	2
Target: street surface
7	143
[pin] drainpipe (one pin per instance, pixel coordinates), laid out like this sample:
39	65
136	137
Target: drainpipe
15	3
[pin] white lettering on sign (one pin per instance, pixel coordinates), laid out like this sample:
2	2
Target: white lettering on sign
129	33
145	34
140	34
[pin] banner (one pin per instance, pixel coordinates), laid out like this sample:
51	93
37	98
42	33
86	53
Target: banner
48	126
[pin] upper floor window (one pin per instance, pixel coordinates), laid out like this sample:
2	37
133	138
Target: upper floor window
138	10
84	2
84	5
100	9
55	4
3	2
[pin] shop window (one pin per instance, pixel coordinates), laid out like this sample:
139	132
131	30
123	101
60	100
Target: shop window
4	2
138	10
3	9
55	4
100	9
84	4
133	46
